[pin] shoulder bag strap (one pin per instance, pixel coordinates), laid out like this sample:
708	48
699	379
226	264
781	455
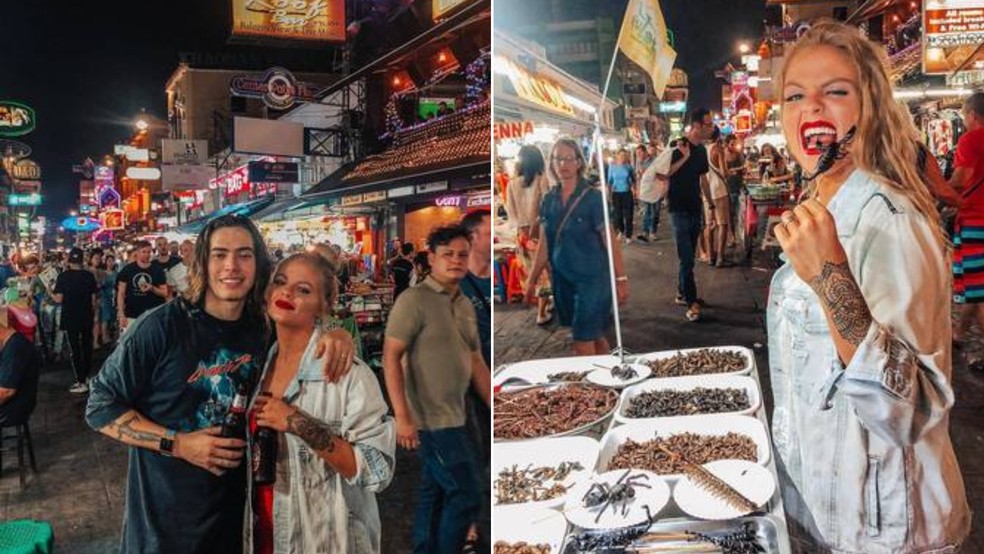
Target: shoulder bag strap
567	215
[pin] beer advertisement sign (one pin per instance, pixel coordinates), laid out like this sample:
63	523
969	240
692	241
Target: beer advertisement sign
307	20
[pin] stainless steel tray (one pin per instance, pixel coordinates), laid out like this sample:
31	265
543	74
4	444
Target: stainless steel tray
597	426
769	533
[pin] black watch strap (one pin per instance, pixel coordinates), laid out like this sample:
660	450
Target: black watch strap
166	445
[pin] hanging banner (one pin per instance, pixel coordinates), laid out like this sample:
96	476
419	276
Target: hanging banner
953	30
186	177
273	172
307	20
16	119
644	40
180	151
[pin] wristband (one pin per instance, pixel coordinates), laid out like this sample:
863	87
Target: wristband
622	279
166	445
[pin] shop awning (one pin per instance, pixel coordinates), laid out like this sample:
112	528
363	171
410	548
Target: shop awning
245	209
277	209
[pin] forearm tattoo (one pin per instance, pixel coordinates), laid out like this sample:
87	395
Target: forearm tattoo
837	289
317	434
125	429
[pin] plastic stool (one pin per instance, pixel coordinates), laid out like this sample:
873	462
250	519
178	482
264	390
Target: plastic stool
516	277
26	536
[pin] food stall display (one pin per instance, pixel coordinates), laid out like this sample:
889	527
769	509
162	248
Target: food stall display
680	461
367	305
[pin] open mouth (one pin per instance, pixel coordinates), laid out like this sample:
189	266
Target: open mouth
817	135
284	304
232	281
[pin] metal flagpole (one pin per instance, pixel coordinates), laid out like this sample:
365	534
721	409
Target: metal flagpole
596	146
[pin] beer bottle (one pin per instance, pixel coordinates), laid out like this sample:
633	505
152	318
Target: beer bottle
234	424
264	453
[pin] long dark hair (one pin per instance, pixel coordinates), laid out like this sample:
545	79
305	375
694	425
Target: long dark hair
198	268
529	164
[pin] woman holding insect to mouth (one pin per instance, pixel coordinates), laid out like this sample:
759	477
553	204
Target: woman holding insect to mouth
859	317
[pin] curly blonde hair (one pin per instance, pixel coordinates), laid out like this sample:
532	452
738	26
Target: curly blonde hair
886	141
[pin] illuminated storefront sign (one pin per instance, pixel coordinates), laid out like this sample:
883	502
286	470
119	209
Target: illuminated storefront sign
277	87
16	119
512	130
952	33
33	199
113	220
464	201
26	169
311	20
538	90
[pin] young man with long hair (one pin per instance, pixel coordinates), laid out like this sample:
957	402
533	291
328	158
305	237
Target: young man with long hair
168	386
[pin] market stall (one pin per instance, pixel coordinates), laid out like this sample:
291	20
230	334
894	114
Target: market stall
669	452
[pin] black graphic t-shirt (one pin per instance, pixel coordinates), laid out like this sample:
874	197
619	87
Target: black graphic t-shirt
137	302
179	367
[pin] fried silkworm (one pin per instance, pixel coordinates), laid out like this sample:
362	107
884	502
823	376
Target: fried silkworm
515	486
698	362
540	412
699	449
666	403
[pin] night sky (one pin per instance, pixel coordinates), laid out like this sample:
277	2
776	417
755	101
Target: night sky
88	68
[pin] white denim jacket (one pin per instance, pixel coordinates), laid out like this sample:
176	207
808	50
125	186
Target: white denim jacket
316	510
864	450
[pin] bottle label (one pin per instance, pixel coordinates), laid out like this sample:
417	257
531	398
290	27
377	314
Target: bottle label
239	402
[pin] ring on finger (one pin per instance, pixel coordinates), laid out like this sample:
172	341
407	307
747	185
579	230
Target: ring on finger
787	218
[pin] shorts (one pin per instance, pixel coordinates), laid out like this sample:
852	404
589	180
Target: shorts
968	260
721	214
583	305
107	313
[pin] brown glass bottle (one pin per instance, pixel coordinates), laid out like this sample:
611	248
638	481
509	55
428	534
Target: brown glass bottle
234	424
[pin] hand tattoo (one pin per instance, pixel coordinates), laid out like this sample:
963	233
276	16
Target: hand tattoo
837	289
317	434
125	429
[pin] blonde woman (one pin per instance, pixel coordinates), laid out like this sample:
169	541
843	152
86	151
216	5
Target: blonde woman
523	196
859	318
337	443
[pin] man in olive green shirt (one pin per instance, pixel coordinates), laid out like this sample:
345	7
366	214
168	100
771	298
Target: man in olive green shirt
435	326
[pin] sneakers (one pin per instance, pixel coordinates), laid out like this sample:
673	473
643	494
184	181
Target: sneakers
79	388
693	312
643	238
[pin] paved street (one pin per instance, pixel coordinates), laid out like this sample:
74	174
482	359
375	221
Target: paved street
82	478
734	315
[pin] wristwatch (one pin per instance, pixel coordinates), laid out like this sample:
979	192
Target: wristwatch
166	446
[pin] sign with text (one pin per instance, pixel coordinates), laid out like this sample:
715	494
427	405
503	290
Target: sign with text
512	130
26	169
27	187
273	172
143	173
952	32
233	182
310	20
186	177
277	88
33	199
536	89
113	220
377	196
352	200
16	119
432	187
180	151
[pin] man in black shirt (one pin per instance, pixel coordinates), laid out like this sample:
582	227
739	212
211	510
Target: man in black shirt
140	286
167	387
19	370
688	183
402	269
76	290
165	258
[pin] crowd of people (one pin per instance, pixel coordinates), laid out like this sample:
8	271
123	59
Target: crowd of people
203	328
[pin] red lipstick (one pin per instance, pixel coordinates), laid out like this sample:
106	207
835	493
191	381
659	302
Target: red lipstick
814	135
284	304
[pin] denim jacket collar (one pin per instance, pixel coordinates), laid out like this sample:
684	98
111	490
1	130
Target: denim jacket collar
850	200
